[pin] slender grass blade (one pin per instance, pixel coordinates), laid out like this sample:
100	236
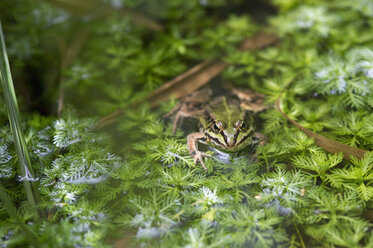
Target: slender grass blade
16	128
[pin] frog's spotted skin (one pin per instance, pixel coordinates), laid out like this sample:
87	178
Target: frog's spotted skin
226	123
227	127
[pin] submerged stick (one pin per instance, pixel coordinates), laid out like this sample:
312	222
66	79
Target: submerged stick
195	77
329	145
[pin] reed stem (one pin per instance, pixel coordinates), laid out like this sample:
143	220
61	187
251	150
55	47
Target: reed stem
27	175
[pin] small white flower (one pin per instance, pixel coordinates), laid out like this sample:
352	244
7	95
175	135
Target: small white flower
209	197
341	84
194	238
305	24
322	74
70	197
276	186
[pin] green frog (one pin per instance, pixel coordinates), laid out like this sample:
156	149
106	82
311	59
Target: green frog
227	122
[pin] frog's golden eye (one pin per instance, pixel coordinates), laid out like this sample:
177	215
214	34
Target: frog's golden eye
237	124
216	128
243	126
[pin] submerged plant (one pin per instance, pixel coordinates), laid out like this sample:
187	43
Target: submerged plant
134	179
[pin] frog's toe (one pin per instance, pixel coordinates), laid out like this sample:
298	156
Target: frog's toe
204	154
203	164
198	158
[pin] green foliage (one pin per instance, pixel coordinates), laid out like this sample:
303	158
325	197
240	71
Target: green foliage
153	215
358	177
254	228
332	236
314	22
318	162
68	169
353	129
135	179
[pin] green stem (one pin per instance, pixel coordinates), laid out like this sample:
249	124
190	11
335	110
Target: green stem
16	128
11	209
300	236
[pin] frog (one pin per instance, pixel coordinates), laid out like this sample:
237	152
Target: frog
227	122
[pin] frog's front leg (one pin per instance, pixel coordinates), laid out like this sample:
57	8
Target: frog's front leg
192	140
250	100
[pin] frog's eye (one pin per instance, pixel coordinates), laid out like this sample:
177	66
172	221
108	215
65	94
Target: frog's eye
216	128
243	126
238	124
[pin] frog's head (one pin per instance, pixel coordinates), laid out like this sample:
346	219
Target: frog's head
228	127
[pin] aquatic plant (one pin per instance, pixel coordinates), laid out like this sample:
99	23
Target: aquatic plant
133	180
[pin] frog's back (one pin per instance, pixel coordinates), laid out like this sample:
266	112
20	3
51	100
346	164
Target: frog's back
225	110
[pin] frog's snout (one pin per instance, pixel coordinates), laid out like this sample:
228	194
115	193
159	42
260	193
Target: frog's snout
230	141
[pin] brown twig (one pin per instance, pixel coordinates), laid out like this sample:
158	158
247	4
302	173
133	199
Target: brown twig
139	18
180	86
195	77
126	241
257	42
202	73
329	145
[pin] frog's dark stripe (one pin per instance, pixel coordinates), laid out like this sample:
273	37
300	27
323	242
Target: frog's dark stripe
210	126
209	117
235	137
238	132
212	138
225	139
246	137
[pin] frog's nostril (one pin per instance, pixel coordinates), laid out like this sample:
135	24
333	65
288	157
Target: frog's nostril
230	141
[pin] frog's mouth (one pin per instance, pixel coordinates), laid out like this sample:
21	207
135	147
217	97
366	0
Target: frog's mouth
227	143
229	149
225	147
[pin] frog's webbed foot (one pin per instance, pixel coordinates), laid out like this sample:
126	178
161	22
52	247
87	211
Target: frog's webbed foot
250	100
178	116
173	110
178	120
192	106
197	156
